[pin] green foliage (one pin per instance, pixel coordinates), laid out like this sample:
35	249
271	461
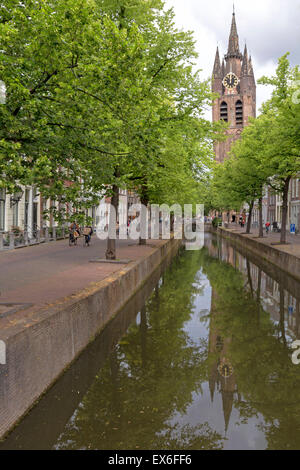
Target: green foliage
282	149
101	93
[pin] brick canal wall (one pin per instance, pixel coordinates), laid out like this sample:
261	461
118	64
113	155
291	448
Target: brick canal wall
40	351
287	262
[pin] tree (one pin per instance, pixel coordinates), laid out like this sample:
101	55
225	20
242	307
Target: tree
268	151
101	95
250	172
282	149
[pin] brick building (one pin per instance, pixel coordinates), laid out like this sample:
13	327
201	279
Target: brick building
234	82
294	204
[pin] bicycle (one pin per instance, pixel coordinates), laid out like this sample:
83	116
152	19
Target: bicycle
87	239
73	238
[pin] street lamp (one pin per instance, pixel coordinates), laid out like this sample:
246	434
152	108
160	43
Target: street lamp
16	198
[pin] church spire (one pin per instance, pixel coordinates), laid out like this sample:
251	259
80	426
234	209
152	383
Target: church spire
251	73
233	44
217	65
245	65
227	402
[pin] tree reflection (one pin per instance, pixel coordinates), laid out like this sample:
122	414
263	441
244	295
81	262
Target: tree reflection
150	380
267	381
150	377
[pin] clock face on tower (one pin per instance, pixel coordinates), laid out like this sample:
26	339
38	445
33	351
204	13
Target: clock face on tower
230	81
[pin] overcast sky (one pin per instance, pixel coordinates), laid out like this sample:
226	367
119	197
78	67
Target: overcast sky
270	27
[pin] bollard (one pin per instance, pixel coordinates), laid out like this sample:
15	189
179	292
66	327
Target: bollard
11	240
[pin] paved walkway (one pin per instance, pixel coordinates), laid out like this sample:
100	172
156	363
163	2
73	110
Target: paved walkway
293	241
44	273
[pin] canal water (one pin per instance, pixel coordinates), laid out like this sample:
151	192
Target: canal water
203	363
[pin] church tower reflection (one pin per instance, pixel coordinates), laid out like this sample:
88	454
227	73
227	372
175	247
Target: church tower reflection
221	373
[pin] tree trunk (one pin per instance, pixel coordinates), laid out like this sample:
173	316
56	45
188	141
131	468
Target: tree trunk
259	285
249	278
261	228
111	242
144	330
258	296
284	209
281	321
250	217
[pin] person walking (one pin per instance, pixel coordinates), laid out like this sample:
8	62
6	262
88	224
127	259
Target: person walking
243	220
87	232
74	233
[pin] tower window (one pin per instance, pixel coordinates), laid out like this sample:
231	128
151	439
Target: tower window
239	112
224	111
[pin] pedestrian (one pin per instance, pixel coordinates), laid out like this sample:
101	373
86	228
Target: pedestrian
87	232
74	233
267	227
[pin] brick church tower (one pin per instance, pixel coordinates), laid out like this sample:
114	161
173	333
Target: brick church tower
234	82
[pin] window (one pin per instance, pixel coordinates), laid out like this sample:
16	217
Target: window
2	209
224	111
239	112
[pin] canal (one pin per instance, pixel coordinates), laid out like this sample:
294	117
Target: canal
203	363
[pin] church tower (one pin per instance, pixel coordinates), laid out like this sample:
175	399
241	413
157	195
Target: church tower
234	82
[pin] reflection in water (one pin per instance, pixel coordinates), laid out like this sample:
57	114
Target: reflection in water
205	363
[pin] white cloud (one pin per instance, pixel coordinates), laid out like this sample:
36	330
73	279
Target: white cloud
270	27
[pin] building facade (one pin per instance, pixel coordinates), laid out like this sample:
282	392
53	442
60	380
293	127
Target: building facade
294	203
20	211
234	82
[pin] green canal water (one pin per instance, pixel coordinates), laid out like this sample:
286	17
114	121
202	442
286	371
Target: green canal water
200	358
